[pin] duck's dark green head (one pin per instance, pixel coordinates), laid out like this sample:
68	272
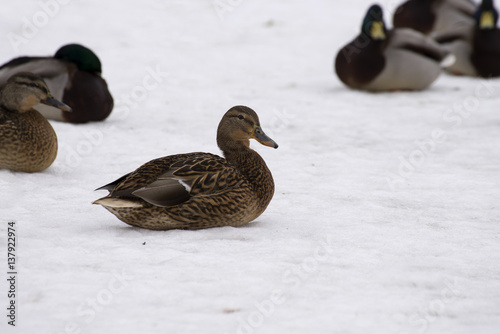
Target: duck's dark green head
82	57
373	24
486	15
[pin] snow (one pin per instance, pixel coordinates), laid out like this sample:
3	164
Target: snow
385	217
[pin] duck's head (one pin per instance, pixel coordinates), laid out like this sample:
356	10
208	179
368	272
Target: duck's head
25	90
486	15
373	23
237	126
82	57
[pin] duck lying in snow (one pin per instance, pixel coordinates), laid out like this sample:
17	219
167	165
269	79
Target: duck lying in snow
73	75
477	49
199	190
385	60
28	142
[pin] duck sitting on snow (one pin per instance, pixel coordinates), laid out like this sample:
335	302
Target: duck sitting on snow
28	142
199	190
385	60
434	16
73	75
476	49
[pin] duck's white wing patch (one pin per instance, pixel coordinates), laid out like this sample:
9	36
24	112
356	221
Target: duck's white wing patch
184	184
448	61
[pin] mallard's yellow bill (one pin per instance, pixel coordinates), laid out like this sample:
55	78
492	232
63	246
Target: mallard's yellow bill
487	20
377	30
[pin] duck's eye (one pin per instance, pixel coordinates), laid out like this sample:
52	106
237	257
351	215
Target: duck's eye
241	117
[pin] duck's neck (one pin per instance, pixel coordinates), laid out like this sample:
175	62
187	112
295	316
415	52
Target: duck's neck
253	167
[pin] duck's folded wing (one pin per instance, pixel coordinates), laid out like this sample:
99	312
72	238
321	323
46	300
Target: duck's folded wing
418	43
112	185
46	67
19	61
466	7
53	71
452	35
168	190
196	176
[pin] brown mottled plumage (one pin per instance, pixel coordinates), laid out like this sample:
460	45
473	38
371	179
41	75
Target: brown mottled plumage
199	190
28	142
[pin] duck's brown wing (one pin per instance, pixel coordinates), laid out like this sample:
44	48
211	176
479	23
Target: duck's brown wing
142	176
112	185
175	179
202	175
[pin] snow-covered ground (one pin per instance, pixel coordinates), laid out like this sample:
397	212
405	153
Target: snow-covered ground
385	217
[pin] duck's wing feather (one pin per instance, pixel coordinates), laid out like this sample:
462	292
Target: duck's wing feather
175	179
166	191
142	176
46	67
205	175
19	61
466	7
54	72
414	14
112	185
416	42
452	35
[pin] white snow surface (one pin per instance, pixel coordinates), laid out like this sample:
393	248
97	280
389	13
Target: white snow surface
385	217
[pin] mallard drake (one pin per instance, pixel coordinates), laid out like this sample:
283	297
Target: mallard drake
28	142
434	16
385	60
73	76
199	190
477	49
486	41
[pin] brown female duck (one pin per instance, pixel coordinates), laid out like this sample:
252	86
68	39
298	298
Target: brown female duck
28	142
199	190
